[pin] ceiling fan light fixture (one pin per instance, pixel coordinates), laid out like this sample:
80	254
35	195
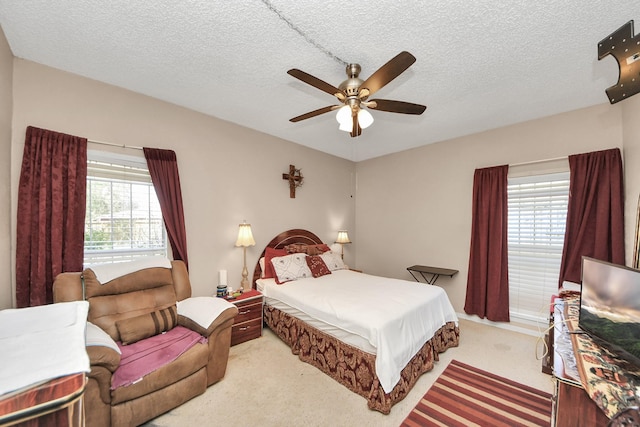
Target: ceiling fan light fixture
345	127
365	119
343	116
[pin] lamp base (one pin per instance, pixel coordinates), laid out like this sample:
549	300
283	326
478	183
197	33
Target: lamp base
245	284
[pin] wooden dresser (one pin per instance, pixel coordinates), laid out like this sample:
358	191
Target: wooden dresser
248	322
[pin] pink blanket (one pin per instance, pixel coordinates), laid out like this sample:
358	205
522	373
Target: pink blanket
145	356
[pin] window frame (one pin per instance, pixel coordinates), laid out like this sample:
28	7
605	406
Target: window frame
117	168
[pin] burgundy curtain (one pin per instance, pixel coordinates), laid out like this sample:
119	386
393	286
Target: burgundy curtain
595	215
51	210
488	277
163	168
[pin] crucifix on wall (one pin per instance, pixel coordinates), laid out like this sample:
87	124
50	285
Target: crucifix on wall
295	180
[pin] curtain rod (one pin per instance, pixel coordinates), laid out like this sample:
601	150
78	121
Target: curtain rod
539	161
114	145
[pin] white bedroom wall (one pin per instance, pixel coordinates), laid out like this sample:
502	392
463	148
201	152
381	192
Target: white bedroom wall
6	101
228	173
631	143
410	208
414	207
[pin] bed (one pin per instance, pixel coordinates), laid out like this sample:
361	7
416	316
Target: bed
362	339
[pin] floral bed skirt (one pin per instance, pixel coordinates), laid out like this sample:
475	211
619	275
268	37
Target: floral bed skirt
352	367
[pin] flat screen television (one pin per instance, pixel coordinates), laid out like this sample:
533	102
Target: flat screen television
610	307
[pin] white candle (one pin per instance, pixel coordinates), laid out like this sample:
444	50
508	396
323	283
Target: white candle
222	278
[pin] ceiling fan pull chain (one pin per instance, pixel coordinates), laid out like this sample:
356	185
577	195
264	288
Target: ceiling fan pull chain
299	31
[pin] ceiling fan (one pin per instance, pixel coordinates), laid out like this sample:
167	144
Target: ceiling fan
354	94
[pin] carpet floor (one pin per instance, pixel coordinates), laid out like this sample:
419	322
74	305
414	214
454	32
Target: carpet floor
266	385
466	396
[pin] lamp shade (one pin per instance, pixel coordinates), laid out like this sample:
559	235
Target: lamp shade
343	116
245	237
346	127
365	119
343	237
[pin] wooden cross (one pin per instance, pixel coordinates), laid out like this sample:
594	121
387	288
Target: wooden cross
295	180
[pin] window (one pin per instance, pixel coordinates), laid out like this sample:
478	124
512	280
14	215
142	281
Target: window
123	218
537	212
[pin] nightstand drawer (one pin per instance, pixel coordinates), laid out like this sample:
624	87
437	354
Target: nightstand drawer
245	331
248	310
248	323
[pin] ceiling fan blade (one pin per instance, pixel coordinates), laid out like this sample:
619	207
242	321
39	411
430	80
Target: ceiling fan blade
357	130
395	106
314	113
314	81
386	73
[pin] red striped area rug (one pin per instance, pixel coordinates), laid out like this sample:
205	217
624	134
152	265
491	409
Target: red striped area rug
466	396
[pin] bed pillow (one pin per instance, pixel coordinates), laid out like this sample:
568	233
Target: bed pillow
317	266
296	248
318	249
269	253
147	325
333	261
290	267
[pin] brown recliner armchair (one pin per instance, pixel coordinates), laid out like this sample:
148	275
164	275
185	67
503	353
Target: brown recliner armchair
134	296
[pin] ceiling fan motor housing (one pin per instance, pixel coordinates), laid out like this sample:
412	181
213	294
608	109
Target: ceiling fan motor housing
353	83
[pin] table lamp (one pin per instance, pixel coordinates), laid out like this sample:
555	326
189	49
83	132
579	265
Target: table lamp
343	238
245	239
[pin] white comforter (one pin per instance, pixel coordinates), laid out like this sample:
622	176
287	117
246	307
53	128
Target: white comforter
396	316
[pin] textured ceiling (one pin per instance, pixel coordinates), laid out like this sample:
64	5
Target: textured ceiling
480	64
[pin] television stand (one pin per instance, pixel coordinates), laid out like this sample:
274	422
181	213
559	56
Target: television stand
571	405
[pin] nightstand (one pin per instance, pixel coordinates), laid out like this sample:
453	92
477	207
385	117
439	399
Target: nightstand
248	323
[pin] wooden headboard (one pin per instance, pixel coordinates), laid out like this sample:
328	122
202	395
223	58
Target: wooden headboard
283	239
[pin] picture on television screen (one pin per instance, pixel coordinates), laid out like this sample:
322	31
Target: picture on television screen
610	307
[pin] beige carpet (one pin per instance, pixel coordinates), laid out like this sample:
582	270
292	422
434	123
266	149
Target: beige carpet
266	385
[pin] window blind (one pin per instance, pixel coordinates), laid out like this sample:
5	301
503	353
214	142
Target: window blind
123	217
537	212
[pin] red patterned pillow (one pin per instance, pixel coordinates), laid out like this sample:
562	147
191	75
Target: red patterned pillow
269	272
317	266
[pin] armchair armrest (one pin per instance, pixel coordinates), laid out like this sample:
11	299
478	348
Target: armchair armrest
104	358
102	346
205	314
211	317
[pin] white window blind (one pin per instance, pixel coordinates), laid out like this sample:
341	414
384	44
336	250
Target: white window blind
123	218
537	212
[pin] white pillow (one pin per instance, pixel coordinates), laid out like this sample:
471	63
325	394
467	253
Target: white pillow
261	261
333	261
291	267
96	336
202	310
